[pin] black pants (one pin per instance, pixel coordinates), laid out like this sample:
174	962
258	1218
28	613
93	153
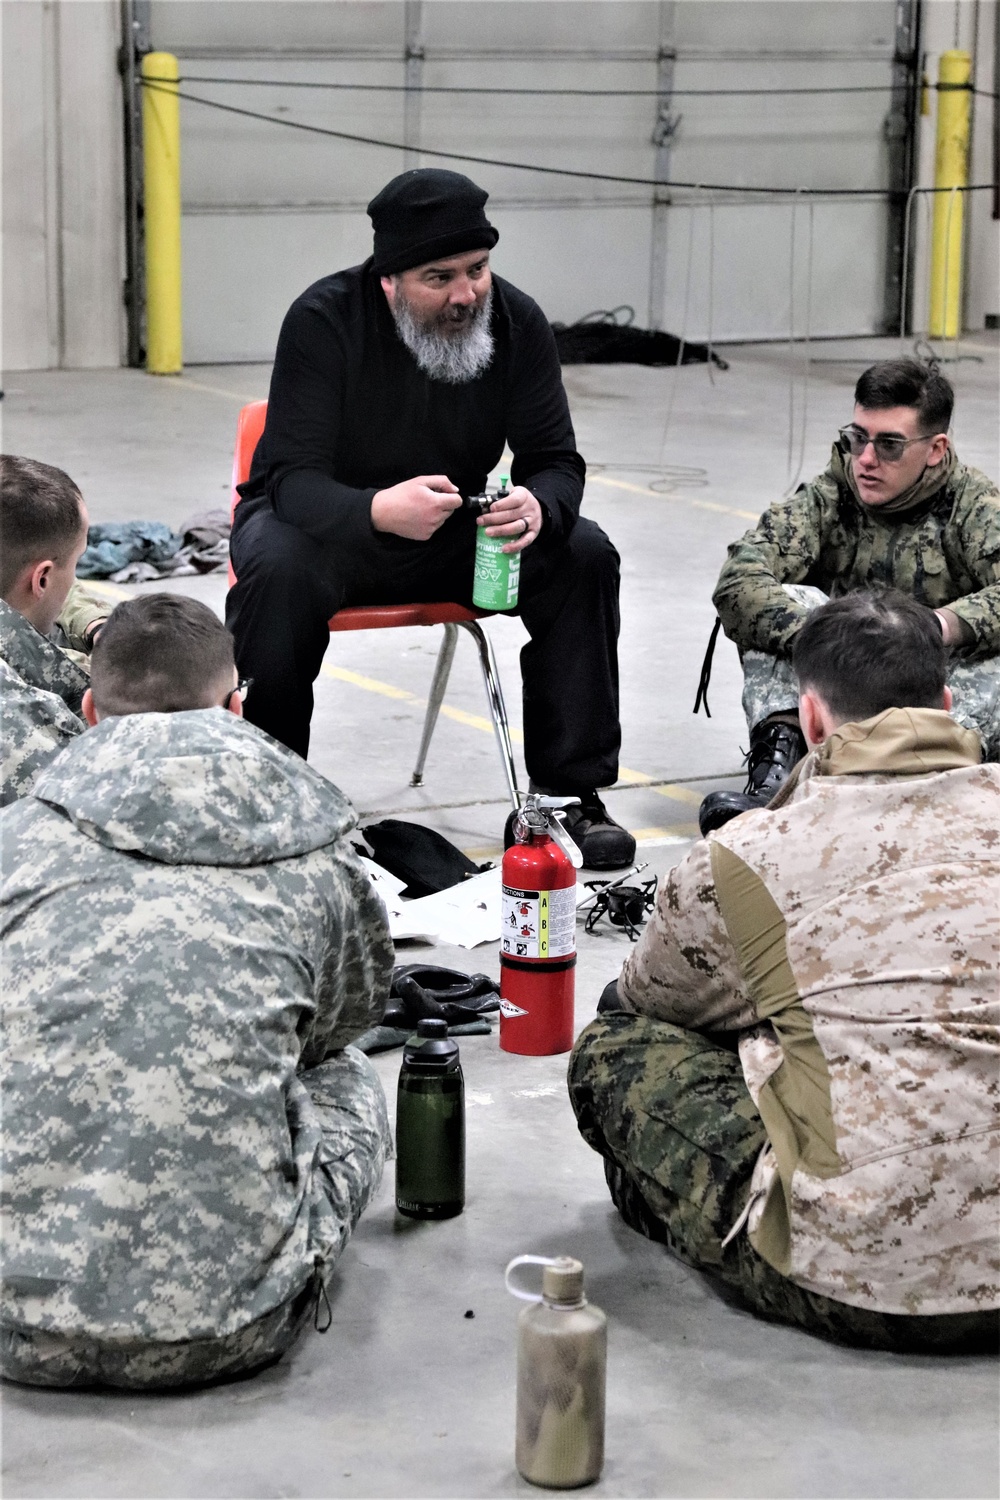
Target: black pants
289	586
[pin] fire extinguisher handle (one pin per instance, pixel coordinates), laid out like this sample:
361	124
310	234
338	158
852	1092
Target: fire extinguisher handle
559	836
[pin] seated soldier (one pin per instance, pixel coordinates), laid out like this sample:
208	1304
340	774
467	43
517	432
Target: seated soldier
43	530
839	1171
190	945
894	509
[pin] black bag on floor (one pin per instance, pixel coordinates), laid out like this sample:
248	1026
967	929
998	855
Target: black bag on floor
608	338
420	856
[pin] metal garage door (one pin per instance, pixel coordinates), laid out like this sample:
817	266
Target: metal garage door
267	209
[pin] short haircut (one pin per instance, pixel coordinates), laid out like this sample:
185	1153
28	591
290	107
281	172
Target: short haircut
160	653
870	651
907	382
39	516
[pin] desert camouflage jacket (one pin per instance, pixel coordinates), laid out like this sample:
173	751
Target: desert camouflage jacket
850	932
185	927
40	691
946	551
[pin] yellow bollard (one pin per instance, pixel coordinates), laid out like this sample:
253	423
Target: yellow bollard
161	155
951	170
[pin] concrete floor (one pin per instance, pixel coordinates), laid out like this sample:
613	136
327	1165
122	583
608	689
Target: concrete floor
406	1395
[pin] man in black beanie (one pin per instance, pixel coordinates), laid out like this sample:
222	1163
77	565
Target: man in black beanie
396	385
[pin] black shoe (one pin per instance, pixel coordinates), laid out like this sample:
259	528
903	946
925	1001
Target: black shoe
775	748
603	843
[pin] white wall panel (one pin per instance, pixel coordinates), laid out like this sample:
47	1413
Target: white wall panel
283	205
241	272
63	191
91	172
30	223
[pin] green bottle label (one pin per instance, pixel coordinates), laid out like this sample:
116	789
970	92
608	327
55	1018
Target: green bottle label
496	573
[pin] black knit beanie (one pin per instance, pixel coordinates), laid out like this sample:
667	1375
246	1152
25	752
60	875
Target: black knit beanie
428	214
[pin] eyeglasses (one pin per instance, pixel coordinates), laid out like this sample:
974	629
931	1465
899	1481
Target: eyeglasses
240	691
889	449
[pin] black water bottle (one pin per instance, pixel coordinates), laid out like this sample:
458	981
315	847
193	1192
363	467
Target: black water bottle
430	1126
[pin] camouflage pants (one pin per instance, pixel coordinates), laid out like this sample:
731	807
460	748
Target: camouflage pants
769	685
347	1095
671	1115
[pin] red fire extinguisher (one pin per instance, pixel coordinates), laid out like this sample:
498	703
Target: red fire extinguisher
538	941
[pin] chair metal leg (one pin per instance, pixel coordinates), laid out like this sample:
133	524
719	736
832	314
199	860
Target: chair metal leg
498	709
438	686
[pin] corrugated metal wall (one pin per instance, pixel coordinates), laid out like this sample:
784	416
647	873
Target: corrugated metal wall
267	210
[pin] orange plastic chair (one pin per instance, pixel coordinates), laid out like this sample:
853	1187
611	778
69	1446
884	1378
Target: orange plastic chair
249	427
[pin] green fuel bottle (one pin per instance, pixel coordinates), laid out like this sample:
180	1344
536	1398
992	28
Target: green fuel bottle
497	573
430	1126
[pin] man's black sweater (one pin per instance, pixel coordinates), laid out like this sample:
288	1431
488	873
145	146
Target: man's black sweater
350	413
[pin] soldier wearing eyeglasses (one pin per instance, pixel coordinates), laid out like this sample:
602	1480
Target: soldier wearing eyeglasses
895	508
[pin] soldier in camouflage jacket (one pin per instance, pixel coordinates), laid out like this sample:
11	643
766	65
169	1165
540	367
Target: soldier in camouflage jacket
47	621
841	1171
190	946
42	683
937	540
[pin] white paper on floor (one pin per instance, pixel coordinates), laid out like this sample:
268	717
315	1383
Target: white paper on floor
464	915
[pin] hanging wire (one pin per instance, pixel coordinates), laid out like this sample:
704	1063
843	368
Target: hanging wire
437	88
805	351
947	268
524	166
683	336
905	288
791	341
710	364
947	263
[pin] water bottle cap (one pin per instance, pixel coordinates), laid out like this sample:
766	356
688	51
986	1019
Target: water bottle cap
432	1026
562	1280
432	1047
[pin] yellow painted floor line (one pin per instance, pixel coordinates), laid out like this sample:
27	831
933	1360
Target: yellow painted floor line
370	684
459	715
485	726
476	721
643	489
212	390
675	793
387	690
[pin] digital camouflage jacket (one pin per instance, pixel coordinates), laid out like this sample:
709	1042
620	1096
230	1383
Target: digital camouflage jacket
185	927
945	551
41	686
849	932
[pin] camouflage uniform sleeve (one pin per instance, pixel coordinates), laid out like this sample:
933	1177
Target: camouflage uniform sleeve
79	614
684	968
353	979
34	726
755	611
979	529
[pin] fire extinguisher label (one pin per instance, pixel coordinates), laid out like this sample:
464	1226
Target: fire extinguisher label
538	924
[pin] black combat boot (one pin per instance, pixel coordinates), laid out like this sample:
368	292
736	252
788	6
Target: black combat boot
775	747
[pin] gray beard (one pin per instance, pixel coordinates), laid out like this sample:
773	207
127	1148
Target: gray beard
453	358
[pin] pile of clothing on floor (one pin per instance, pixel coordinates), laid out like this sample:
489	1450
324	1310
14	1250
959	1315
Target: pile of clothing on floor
138	551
